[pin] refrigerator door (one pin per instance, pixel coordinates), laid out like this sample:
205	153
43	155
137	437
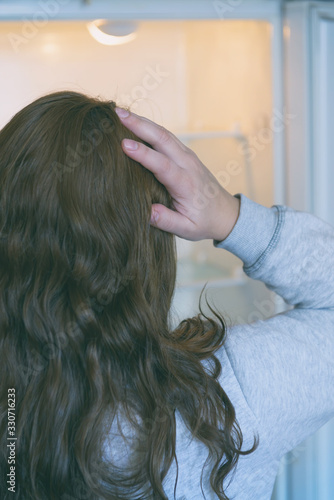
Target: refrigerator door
307	472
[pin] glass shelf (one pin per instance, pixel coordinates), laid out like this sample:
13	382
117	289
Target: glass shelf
187	136
194	274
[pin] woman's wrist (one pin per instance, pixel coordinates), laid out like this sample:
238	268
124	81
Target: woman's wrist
227	217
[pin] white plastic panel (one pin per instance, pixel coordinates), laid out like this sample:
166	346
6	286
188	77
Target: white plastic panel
297	76
306	473
145	9
323	112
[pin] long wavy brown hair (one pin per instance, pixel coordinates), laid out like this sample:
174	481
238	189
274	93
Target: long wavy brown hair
86	286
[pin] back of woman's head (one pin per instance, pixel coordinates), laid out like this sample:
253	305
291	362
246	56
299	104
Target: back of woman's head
85	290
75	209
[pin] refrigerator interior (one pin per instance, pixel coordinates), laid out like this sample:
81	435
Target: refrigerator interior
220	106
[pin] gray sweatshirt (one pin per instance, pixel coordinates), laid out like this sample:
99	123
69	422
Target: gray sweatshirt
279	372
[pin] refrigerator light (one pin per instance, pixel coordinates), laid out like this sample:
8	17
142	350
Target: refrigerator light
50	48
112	32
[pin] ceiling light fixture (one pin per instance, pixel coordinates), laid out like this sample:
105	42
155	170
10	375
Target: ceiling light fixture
112	32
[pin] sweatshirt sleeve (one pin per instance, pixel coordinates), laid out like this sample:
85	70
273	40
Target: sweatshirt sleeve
285	364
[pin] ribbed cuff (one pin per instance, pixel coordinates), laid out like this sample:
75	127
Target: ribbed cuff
252	232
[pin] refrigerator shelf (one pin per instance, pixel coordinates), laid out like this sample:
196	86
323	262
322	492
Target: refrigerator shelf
192	274
211	134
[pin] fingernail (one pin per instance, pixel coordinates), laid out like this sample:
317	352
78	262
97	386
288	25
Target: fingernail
154	217
130	145
122	113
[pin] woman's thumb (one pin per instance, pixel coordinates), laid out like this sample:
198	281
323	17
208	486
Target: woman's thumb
163	218
170	221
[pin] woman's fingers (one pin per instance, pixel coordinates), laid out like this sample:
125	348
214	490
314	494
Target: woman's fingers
171	221
165	170
161	139
198	199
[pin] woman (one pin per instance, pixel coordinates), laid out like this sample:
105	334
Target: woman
110	403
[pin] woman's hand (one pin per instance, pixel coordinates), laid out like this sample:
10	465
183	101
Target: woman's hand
203	208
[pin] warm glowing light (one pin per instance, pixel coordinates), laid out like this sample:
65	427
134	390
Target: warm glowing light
50	48
286	32
112	32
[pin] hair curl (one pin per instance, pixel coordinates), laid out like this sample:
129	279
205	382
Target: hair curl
85	291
